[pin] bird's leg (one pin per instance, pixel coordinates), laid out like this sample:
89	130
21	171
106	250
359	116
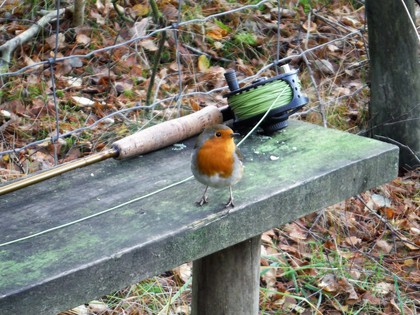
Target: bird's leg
230	202
203	199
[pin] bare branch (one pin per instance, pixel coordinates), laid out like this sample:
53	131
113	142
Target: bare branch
9	47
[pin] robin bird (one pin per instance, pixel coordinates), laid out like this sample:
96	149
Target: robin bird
216	161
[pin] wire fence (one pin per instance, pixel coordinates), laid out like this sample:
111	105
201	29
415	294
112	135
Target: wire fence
320	53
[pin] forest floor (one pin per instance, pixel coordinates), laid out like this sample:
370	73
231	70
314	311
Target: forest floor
360	256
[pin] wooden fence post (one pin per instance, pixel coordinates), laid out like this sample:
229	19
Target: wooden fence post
227	282
395	78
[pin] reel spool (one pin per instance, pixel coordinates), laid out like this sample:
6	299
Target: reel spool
249	104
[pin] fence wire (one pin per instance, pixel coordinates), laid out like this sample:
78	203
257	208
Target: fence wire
347	37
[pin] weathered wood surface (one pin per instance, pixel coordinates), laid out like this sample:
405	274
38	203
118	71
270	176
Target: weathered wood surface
228	282
394	109
294	173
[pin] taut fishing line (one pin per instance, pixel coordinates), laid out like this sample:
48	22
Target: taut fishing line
43	232
266	102
95	214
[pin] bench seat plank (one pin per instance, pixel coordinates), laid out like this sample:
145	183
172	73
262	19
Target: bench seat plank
297	171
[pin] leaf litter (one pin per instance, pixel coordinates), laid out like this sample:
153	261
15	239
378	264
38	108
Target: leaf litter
358	256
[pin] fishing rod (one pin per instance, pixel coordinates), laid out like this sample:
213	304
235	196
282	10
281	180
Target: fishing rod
246	106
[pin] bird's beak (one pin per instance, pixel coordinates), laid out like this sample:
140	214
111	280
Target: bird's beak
235	134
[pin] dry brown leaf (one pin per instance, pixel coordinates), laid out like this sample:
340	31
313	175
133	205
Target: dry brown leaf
139	28
83	39
266	238
329	283
346	287
51	41
98	307
30	62
309	26
409	244
269	277
332	48
353	240
149	45
170	12
295	232
15	106
195	106
325	66
349	21
371	298
184	272
384	246
217	33
174	66
289	249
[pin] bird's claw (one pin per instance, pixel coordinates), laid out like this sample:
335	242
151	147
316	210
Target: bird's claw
202	201
230	203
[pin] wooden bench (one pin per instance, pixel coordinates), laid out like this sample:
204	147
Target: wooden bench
144	230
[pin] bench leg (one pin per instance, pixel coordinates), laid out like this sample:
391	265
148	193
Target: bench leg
227	282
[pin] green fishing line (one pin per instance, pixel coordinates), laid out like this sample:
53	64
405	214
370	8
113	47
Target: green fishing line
258	100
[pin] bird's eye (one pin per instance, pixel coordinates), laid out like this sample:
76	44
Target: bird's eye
218	134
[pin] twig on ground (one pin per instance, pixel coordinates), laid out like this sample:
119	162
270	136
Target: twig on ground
387	139
9	47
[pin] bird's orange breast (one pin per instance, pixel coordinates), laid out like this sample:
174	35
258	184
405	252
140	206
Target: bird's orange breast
215	157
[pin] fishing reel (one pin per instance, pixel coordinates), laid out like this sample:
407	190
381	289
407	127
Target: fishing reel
281	96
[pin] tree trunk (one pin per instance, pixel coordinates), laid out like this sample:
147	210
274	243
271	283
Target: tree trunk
79	13
395	78
227	282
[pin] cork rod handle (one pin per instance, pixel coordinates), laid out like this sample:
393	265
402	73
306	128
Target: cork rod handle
167	133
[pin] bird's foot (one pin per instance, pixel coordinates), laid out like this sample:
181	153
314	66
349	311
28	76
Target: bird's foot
230	203
202	201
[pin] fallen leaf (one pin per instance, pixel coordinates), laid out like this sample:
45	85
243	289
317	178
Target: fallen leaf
184	272
309	26
371	298
332	47
353	240
195	106
349	21
170	12
98	307
30	62
388	212
149	45
80	310
328	283
295	232
217	33
384	246
140	9
51	41
174	66
380	201
324	66
73	82
265	238
203	63
83	101
83	39
383	288
139	28
346	287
